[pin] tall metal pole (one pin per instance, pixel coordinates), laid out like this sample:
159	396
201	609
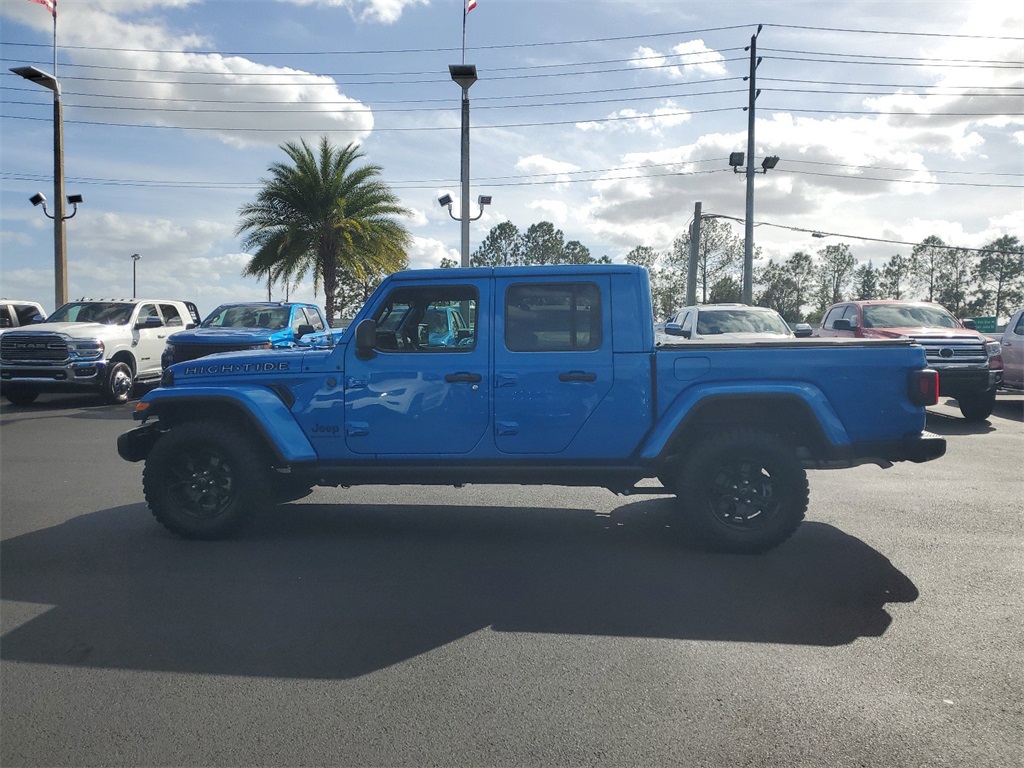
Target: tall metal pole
691	265
748	237
465	177
60	252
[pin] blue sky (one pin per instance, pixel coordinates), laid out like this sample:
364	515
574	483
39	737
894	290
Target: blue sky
611	119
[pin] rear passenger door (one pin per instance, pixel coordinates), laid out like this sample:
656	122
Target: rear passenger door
553	360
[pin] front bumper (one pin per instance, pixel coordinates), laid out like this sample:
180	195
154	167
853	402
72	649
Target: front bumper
60	377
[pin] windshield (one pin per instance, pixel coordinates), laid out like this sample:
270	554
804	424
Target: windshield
270	318
106	312
907	316
711	322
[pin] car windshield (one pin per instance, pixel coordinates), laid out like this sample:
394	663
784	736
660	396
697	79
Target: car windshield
711	322
106	312
269	318
907	316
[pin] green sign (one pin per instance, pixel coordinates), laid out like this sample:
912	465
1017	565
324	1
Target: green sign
985	324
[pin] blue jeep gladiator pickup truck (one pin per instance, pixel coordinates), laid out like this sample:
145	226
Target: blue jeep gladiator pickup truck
555	379
249	325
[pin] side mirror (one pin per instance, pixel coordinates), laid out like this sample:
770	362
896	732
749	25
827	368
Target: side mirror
37	319
366	338
149	322
969	323
674	329
802	330
842	324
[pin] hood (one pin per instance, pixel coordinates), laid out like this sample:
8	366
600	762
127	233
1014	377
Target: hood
225	335
75	330
921	332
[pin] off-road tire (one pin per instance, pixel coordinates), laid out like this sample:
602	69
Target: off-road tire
205	479
977	406
742	491
118	383
20	396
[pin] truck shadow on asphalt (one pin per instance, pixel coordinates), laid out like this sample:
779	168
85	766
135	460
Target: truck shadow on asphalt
328	591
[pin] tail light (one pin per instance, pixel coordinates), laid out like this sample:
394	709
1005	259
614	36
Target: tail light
924	387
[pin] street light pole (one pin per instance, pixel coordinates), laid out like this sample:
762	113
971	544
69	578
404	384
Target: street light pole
748	230
465	76
60	254
135	261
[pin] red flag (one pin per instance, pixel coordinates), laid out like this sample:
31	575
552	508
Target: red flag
470	4
52	5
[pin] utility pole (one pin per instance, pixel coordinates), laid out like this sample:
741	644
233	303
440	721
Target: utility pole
691	265
748	239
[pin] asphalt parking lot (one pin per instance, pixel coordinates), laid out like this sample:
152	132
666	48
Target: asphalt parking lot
495	626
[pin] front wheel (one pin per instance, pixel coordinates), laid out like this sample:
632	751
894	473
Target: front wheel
977	406
117	383
203	480
745	491
20	396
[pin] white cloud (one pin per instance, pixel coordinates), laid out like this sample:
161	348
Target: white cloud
685	61
634	121
427	252
380	11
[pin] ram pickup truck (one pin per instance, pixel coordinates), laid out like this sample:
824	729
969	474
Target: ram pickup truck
557	380
91	345
17	314
969	363
249	325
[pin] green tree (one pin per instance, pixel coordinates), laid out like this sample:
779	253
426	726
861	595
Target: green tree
448	263
725	290
801	268
322	215
926	264
543	244
575	252
865	281
719	254
779	290
503	247
896	275
835	266
1000	271
956	266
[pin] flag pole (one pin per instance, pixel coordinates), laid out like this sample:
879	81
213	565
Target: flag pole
464	14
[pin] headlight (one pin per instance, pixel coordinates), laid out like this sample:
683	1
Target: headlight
85	349
262	345
992	348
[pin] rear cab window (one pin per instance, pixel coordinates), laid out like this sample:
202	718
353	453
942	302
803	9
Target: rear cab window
553	317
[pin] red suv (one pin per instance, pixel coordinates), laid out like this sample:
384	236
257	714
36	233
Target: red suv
970	365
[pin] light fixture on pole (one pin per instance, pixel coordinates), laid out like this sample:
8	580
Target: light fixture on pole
464	75
445	201
135	261
736	160
60	254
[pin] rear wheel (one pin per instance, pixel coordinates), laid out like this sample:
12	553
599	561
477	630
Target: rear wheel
204	480
117	383
977	406
744	490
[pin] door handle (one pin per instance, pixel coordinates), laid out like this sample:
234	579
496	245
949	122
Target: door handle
577	376
464	376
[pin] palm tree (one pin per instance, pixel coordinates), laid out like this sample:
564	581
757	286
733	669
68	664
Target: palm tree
323	216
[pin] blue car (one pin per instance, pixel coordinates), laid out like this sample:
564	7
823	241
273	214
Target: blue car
250	325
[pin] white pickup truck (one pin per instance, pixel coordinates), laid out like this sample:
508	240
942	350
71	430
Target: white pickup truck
101	345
